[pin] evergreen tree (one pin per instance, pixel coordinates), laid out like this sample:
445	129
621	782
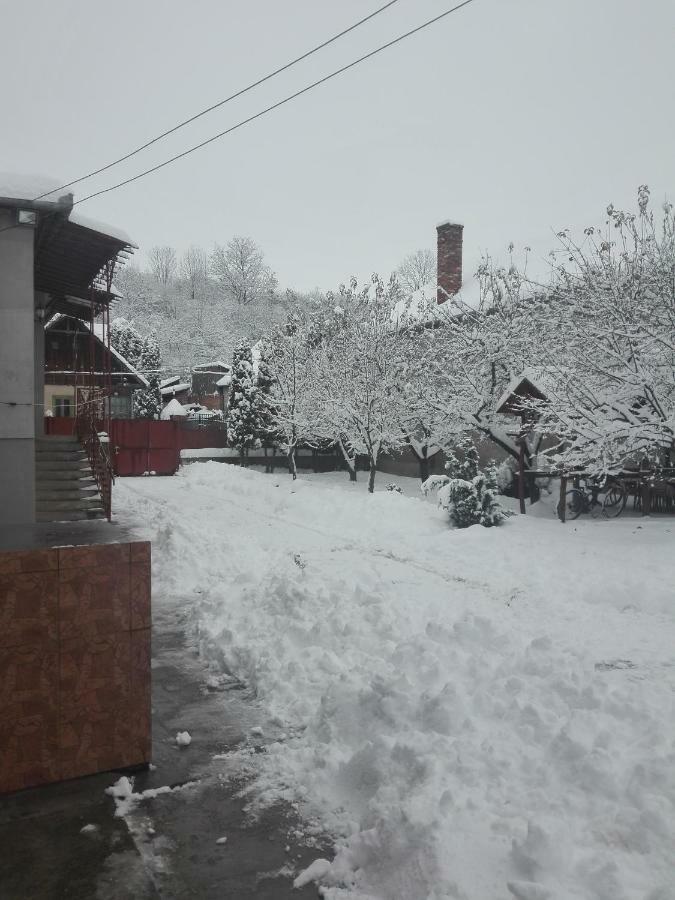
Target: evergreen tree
265	412
126	340
148	402
242	409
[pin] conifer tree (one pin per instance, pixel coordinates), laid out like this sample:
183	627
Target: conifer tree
148	402
265	412
126	340
242	409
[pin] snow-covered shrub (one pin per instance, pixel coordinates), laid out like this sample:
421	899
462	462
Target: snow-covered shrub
468	502
395	488
464	467
505	474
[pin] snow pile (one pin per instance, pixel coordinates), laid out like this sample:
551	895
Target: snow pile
474	714
125	799
172	408
183	739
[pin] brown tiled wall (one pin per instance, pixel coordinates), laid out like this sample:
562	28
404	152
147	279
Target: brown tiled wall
74	662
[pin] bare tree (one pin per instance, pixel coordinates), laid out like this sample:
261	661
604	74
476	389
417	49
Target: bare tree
358	372
241	271
193	267
163	264
417	270
291	399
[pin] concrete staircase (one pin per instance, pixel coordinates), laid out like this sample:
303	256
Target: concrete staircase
65	490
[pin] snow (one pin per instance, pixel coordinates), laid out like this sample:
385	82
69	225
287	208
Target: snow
216	364
174	389
126	799
100	333
20	186
183	739
476	713
224	381
17	186
102	228
221	840
167	382
172	408
210	453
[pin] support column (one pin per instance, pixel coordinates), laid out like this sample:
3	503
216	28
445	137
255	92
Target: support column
17	371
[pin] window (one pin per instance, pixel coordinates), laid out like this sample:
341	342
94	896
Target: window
120	407
62	406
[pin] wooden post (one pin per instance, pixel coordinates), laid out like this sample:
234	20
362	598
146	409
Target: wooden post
521	476
646	498
562	510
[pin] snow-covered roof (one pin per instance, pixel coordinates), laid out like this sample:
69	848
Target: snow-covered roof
24	186
172	408
174	389
101	227
216	364
224	381
165	382
27	188
541	379
100	334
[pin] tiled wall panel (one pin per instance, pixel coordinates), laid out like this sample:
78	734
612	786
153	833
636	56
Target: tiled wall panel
74	662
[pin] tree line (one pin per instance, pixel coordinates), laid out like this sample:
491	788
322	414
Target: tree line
371	371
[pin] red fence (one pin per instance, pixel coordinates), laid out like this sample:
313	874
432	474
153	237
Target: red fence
146	445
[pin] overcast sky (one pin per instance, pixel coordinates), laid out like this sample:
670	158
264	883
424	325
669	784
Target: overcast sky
511	116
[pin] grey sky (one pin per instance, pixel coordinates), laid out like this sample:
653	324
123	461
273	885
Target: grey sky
511	116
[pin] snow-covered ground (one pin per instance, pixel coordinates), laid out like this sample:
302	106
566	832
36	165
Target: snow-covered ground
478	714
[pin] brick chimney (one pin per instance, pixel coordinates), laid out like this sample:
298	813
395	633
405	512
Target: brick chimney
449	265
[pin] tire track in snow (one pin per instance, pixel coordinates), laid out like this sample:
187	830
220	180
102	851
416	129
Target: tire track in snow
349	545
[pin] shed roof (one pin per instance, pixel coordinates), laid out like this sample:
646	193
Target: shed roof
172	389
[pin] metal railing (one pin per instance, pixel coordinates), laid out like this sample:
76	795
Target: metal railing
98	454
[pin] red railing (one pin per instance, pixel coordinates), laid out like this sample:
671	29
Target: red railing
97	451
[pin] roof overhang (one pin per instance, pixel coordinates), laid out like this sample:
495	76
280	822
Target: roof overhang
516	399
71	254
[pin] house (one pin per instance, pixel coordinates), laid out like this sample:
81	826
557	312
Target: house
74	590
174	388
73	355
211	384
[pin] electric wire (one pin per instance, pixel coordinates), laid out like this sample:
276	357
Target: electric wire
276	105
220	103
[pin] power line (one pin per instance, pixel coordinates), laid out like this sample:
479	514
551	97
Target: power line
274	106
220	103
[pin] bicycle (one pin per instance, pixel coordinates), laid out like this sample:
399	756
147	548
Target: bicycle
607	499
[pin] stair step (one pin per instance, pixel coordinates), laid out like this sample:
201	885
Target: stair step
74	504
60	454
75	494
73	516
65	484
50	476
64	464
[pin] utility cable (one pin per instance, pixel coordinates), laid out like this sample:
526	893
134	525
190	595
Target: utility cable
274	106
220	103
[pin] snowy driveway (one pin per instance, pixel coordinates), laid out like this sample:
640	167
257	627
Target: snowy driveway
474	714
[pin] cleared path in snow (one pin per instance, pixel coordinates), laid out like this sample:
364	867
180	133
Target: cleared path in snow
471	708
